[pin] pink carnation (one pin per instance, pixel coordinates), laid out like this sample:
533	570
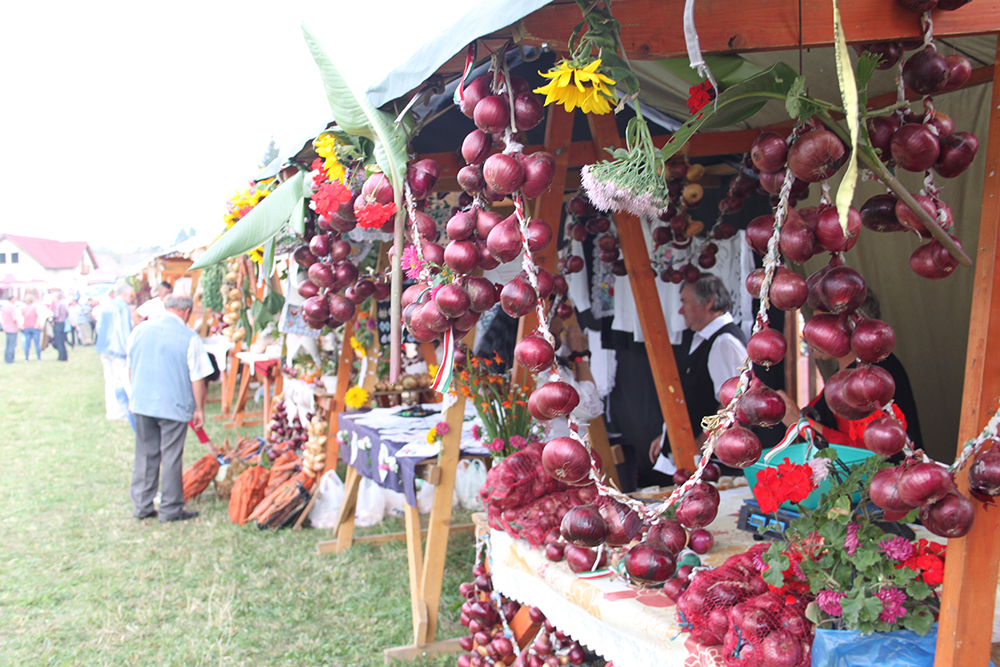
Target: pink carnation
829	602
411	263
897	548
497	445
442	428
892	604
851	541
517	442
477	432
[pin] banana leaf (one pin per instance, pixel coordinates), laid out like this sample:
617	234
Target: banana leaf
259	225
727	70
736	104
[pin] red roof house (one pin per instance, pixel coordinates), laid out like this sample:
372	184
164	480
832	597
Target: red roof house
27	258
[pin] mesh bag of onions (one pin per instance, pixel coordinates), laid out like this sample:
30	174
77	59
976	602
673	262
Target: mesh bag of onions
769	630
534	520
703	608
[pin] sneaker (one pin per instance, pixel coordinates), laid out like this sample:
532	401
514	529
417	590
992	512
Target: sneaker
183	516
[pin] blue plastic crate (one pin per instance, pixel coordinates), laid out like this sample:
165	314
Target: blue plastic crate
799	453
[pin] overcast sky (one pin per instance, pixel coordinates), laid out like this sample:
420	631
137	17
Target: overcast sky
125	122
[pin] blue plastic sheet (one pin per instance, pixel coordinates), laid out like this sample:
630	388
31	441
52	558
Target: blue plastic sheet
850	648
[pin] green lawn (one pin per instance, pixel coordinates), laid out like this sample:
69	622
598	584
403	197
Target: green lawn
83	583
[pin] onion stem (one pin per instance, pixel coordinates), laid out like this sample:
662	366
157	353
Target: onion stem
884	175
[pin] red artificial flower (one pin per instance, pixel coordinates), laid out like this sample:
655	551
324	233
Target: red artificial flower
329	197
788	482
700	95
928	560
374	215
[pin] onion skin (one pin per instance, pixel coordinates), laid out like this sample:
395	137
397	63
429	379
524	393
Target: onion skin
842	290
699	506
504	240
984	474
482	293
518	298
923	264
453	300
583	526
556	399
486	221
829	233
701	541
422	176
649	564
915	148
738	447
869	387
883	489
505	174
885	436
816	155
926	72
539	168
622	521
828	333
768	152
959	71
670	534
788	289
315	309
462	225
492	114
462	257
470	178
760	406
872	340
834	391
534	353
539	235
922	484
957	153
528	111
304	257
951	516
798	241
759	232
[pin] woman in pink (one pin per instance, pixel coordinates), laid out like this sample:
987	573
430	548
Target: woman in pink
32	332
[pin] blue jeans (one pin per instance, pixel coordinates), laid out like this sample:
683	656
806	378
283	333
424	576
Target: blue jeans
29	336
8	353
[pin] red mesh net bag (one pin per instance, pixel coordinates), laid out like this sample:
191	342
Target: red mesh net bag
703	608
769	630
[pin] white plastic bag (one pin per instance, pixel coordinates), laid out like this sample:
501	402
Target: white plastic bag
328	501
394	503
425	496
371	504
469	478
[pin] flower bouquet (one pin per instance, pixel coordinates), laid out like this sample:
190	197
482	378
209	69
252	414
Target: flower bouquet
502	406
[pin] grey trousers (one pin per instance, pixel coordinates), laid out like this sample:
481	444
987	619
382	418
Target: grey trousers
159	443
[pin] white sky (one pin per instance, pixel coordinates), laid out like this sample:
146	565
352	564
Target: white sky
126	122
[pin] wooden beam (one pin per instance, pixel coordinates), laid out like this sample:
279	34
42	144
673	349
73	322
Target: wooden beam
411	652
970	573
548	207
653	29
337	405
330	546
415	569
654	327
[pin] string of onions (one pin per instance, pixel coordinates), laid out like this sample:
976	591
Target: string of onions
989	432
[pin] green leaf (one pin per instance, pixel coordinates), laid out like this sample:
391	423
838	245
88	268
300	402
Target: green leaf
919	621
727	70
917	589
262	222
851	607
297	220
267	264
355	114
871	608
736	104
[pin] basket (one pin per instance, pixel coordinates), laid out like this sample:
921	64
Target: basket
800	453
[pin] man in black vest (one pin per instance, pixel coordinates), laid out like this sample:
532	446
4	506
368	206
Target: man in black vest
712	350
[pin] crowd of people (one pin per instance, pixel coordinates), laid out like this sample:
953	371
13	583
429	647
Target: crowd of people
52	319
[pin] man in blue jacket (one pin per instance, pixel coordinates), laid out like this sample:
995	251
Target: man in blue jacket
167	366
113	326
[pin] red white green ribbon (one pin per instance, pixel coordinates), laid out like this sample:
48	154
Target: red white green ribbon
442	382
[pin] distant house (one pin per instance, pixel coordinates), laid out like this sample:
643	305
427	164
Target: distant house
58	263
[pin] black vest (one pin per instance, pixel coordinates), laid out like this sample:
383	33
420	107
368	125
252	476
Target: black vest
699	392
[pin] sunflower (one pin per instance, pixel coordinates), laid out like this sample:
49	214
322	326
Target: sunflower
326	148
358	347
574	86
356	397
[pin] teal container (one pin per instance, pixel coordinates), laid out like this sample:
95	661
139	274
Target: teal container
800	453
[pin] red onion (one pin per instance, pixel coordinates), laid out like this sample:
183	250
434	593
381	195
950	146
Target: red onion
702	541
622	521
492	114
304	257
382	291
768	151
798	241
463	323
759	232
426	227
674	588
834	392
528	111
923	483
429	316
872	340
308	288
984	474
918	6
534	353
476	147
711	473
830	234
842	290
578	206
648	563
738	447
344	274
341	308
884	490
869	387
518	298
470	178
453	300
539	235
699	506
482	294
462	257
422	176
504	241
880	131
729	205
788	289
411	293
554	552
728	390
680	476
816	156
885	436
315	309
504	173
433	253
477	89
578	231
559	284
780	648
539	169
583	559
915	148
377	188
922	263
957	153
959	71
319	245
564	310
908	218
670	534
321	274
771	181
887	53
364	288
353	295
760	406
926	72
556	399
584	526
340	250
575	264
462	225
724	231
767	347
879	214
829	334
952	516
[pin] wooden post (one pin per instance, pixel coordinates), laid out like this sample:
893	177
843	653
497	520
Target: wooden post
548	207
343	382
970	572
654	327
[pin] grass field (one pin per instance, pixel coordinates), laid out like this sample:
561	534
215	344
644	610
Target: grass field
83	583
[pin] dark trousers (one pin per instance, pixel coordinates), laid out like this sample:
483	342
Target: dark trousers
159	446
59	339
8	353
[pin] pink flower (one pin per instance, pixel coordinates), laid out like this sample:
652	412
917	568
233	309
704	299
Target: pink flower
820	470
517	442
758	562
892	604
477	433
497	445
411	263
897	548
829	602
851	542
442	428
